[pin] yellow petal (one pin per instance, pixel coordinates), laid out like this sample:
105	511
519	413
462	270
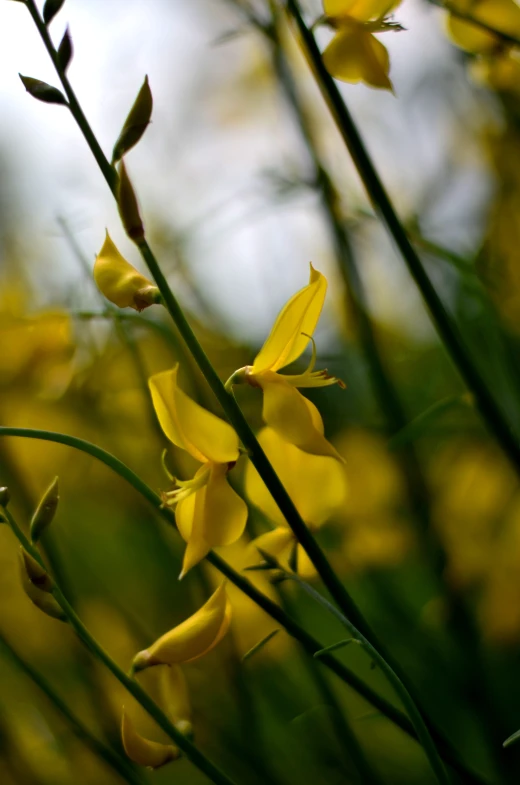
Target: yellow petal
120	282
362	10
192	638
188	425
175	696
293	416
225	513
317	484
503	15
189	517
278	542
300	315
355	55
142	751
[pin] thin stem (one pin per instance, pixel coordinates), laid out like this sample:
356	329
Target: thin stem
489	409
423	734
190	751
309	643
454	11
229	405
115	761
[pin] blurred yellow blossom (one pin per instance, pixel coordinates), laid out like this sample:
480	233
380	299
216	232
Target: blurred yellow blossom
120	282
193	638
144	752
317	484
501	15
208	512
285	410
355	54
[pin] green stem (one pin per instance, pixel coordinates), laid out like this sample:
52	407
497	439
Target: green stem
190	751
423	734
310	644
489	409
227	401
115	761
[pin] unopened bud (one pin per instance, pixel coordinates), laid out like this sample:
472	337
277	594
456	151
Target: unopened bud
42	599
136	123
128	207
50	9
43	91
120	282
45	512
5	496
65	51
142	751
35	572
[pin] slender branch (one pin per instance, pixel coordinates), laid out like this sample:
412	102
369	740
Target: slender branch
507	38
309	643
141	696
491	412
420	726
229	405
113	759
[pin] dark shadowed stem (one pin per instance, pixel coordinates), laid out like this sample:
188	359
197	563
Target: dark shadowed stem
310	644
491	412
141	696
115	761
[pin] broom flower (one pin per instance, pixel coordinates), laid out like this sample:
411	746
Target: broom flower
285	410
208	512
120	282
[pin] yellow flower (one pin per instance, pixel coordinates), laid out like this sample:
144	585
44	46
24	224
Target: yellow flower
191	639
120	282
285	410
502	15
317	484
208	512
355	54
142	751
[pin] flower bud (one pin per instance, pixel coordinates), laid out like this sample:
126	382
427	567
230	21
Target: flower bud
136	123
65	51
5	496
43	91
120	282
142	751
191	639
128	207
50	9
45	512
42	599
35	572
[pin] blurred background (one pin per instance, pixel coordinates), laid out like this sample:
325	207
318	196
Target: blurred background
231	184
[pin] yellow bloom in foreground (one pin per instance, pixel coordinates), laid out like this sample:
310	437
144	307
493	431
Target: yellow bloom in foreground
191	639
120	282
355	54
208	512
285	410
142	751
317	484
502	15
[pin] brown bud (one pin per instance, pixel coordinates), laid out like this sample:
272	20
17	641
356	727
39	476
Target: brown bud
136	123
43	91
128	207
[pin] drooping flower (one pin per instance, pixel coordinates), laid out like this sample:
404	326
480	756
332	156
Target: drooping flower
144	752
193	638
120	282
501	15
317	484
355	54
285	410
208	512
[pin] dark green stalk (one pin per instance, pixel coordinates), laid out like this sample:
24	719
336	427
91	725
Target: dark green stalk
115	761
420	726
310	644
489	409
141	696
226	400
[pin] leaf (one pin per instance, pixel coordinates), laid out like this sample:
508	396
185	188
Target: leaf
43	91
65	51
511	739
50	9
334	646
260	645
136	123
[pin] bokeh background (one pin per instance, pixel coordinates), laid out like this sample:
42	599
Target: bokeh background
227	188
